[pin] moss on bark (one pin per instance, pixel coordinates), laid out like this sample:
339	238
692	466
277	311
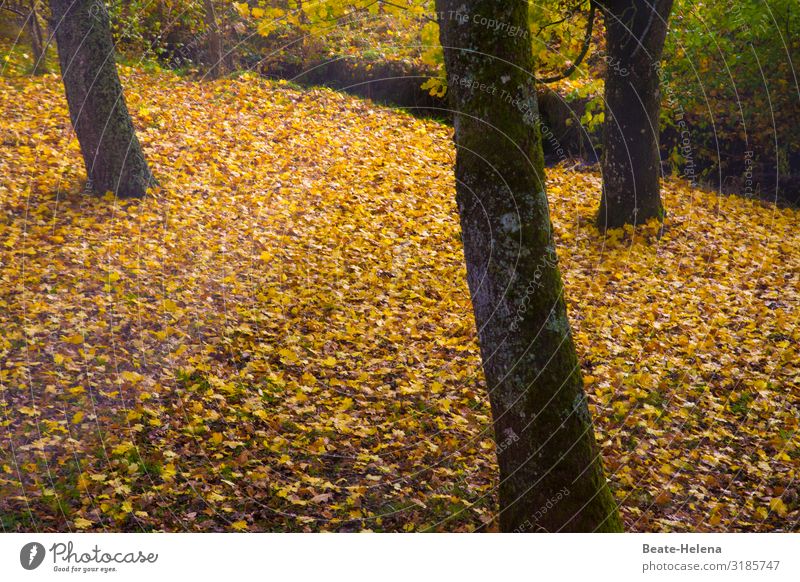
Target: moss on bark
111	151
535	387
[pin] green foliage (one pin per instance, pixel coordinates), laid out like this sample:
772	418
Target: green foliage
728	67
156	29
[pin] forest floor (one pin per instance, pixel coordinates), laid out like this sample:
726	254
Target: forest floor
280	337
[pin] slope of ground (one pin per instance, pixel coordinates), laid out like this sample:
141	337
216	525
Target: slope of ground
280	338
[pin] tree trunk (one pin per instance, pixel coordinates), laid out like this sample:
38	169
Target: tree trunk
37	41
551	476
216	57
111	151
635	33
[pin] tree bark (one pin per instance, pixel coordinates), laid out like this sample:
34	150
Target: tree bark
111	151
551	476
38	46
631	163
216	57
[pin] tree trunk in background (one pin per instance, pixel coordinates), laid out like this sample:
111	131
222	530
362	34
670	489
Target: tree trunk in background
111	151
635	33
216	57
551	476
38	45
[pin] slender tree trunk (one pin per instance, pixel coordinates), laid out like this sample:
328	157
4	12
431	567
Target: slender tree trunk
37	41
635	33
551	476
111	151
216	56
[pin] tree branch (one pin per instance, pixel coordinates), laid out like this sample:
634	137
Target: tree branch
392	4
16	11
570	12
587	41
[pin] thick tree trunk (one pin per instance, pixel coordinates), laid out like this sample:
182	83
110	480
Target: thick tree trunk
111	151
635	33
216	57
37	41
551	476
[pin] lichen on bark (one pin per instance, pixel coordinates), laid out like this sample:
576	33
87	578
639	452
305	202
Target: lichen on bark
529	360
111	151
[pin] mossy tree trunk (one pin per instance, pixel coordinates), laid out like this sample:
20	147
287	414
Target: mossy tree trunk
38	44
111	151
631	163
551	476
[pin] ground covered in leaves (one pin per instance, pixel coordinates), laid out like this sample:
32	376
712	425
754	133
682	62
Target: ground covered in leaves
280	338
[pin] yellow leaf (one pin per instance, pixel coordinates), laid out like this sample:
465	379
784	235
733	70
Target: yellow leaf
239	525
77	417
75	339
122	448
82	523
318	446
132	377
778	506
168	472
288	356
170	306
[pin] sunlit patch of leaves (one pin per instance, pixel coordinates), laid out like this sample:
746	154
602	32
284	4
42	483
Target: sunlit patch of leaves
280	337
